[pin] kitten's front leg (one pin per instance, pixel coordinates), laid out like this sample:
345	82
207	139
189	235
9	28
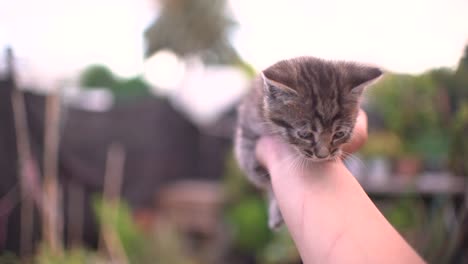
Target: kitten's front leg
275	219
246	141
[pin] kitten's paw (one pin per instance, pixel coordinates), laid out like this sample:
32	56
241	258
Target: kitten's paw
275	219
275	222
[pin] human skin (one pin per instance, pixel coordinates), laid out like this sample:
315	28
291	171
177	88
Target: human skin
328	214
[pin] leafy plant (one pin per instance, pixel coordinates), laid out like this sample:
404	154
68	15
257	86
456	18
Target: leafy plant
248	219
281	249
384	144
164	245
407	105
99	76
459	143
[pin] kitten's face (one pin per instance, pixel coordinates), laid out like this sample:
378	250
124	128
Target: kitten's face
313	104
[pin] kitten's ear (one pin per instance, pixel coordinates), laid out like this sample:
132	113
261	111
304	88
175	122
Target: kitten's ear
277	91
363	76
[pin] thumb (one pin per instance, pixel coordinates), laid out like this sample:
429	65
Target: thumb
270	150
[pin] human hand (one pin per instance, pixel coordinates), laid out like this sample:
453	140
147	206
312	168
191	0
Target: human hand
328	214
270	150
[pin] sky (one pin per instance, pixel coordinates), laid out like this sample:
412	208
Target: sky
398	35
55	38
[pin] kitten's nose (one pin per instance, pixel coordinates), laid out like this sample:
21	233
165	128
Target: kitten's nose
322	152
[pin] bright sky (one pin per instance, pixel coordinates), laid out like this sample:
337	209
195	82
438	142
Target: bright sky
399	35
56	37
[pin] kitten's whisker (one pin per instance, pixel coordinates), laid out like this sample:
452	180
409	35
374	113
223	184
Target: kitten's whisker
288	159
301	168
291	160
295	164
303	165
352	157
292	164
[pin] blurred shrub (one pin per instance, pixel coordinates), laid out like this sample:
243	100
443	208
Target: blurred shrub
386	144
73	256
118	219
424	111
248	218
459	142
98	76
194	28
281	249
407	106
404	214
247	215
246	210
164	245
9	258
131	88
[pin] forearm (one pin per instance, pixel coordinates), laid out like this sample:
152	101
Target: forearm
331	218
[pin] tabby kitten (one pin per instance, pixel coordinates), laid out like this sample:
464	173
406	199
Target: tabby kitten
310	103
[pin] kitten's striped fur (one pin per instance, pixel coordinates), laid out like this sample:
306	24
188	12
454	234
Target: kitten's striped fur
311	103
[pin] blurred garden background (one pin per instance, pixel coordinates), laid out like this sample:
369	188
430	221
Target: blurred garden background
116	124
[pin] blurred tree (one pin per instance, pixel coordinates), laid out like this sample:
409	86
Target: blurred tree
447	92
428	112
195	28
459	126
459	146
97	76
461	79
419	128
463	63
395	97
131	88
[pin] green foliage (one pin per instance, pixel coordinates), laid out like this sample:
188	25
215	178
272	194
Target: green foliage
249	219
463	63
421	110
409	107
247	69
9	258
425	228
162	246
73	256
399	95
246	211
459	143
235	183
98	76
384	144
131	88
119	220
404	214
432	145
194	27
281	249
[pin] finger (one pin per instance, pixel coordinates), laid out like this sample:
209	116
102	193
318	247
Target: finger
270	150
359	134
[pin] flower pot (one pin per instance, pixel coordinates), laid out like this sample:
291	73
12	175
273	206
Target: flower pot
408	166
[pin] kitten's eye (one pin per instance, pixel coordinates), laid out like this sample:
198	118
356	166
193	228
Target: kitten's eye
305	134
339	135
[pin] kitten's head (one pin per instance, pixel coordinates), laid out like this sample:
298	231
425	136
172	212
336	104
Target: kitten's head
313	103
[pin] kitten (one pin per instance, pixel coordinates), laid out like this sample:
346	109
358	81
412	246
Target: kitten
310	103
